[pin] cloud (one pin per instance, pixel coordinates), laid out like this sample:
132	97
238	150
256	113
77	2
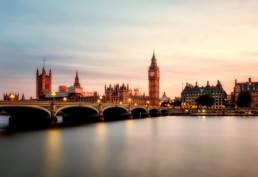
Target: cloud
112	41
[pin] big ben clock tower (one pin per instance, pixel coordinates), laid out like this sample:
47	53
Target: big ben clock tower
154	75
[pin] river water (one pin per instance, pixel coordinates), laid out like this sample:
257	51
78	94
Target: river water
164	146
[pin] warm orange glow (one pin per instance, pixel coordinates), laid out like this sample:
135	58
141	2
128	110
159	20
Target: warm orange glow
53	152
53	94
12	96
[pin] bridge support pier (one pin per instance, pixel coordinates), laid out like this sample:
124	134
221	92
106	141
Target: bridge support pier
130	116
148	111
53	113
101	116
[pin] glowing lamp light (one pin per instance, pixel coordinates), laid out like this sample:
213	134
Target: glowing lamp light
53	94
12	97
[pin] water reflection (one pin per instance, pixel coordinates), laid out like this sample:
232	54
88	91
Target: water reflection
100	159
171	146
52	153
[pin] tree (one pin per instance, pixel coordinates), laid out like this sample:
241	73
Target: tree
244	99
205	100
177	102
166	103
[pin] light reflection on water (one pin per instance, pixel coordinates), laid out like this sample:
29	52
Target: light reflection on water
52	153
167	146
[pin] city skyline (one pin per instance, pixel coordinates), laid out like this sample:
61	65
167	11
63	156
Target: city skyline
112	42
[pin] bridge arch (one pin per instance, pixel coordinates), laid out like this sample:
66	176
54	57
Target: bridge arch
65	107
26	110
154	112
164	112
115	113
108	107
139	112
27	115
77	114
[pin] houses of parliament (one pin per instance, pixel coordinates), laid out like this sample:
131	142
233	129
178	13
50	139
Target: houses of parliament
118	93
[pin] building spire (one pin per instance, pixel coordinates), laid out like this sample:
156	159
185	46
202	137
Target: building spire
43	69
153	59
77	82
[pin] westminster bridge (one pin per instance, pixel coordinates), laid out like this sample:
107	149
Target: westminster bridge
36	111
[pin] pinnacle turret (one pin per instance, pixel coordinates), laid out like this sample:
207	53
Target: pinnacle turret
77	82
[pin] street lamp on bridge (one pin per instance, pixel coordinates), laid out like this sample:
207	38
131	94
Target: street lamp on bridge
12	97
99	100
53	94
129	101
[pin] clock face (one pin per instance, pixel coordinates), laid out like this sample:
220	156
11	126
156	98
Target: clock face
152	74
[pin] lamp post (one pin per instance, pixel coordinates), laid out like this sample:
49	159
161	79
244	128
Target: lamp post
53	94
129	101
53	109
129	108
101	117
64	99
12	97
147	103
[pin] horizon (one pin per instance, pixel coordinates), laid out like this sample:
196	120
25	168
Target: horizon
112	42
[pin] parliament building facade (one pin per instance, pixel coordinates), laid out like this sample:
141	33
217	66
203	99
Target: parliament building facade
118	93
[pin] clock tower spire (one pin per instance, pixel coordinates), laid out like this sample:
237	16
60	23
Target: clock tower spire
154	76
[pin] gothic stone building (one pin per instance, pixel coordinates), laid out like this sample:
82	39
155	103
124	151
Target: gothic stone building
43	83
13	97
122	94
154	77
190	93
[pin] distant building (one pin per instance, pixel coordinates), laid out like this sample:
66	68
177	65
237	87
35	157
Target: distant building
249	85
164	97
123	94
43	83
63	88
190	93
13	97
71	93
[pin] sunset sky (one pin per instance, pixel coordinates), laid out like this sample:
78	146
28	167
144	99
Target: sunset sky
112	41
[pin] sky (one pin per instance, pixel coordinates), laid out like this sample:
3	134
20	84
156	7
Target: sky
112	41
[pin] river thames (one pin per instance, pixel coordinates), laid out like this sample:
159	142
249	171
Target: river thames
165	146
